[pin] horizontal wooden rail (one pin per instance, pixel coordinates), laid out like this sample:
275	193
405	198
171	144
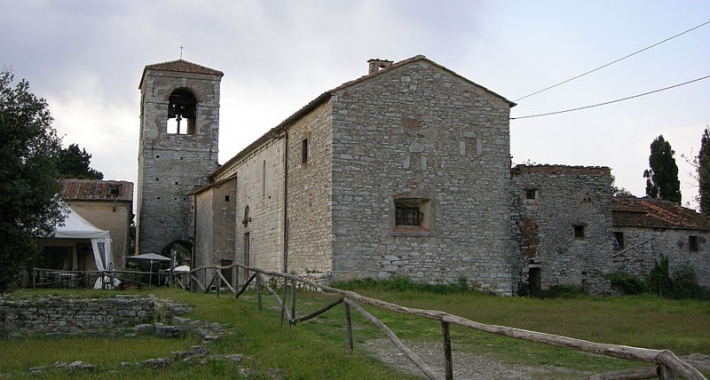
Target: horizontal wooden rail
664	359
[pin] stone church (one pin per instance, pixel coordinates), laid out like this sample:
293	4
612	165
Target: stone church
405	171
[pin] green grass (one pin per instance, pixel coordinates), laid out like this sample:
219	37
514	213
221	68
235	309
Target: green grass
316	349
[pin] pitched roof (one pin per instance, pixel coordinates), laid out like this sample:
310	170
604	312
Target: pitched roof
656	213
324	97
181	66
97	190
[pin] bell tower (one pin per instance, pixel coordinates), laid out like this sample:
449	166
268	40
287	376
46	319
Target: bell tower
178	146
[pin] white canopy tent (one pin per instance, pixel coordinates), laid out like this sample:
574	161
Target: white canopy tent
76	227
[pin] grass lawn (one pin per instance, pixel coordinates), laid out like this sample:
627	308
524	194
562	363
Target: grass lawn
316	349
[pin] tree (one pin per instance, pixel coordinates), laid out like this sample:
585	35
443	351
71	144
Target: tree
662	178
74	163
29	189
703	168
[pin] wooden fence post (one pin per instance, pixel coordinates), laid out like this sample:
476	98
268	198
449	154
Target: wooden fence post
219	279
448	364
293	302
283	303
258	292
348	327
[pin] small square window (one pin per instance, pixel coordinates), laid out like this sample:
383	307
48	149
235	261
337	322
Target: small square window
618	240
693	245
578	231
413	213
226	198
530	194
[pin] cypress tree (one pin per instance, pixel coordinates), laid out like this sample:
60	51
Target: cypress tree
703	167
662	177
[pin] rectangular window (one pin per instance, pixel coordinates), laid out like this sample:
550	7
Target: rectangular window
413	213
693	243
530	194
578	231
618	240
304	151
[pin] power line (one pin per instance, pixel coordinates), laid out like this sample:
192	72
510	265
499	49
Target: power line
612	101
612	62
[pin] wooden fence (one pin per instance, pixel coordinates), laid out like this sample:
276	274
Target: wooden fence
664	364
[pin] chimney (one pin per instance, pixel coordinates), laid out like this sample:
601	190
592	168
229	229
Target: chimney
379	64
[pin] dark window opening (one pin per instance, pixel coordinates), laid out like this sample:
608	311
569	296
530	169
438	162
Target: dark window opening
304	151
530	194
618	240
182	112
114	190
693	243
578	231
413	213
409	216
226	198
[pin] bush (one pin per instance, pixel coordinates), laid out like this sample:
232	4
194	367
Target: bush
627	283
683	284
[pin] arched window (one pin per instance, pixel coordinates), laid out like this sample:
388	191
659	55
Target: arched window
182	112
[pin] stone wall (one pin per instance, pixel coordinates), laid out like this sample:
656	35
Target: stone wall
418	131
562	224
61	315
310	232
644	246
213	224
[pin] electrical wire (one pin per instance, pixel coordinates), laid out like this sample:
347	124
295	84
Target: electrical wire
612	101
611	63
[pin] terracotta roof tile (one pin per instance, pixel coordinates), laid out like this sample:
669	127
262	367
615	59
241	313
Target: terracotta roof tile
656	213
85	189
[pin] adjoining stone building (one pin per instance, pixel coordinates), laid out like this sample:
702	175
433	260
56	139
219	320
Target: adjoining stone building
645	229
405	171
562	218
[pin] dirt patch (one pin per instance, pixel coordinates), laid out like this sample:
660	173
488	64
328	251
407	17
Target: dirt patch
466	366
481	367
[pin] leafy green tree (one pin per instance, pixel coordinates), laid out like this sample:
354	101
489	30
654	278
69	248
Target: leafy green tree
703	167
74	163
662	178
29	191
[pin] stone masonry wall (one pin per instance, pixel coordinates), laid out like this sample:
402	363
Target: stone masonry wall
259	189
548	202
309	194
60	315
644	246
420	131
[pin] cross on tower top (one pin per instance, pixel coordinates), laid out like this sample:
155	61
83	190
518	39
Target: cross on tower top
181	47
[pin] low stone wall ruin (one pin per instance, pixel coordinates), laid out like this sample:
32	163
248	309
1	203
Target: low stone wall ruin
70	315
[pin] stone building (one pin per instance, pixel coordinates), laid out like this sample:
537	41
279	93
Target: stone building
645	229
562	220
405	171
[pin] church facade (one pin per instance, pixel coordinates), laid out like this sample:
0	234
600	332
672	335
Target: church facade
405	171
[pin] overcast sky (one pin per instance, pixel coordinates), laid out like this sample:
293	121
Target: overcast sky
86	58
